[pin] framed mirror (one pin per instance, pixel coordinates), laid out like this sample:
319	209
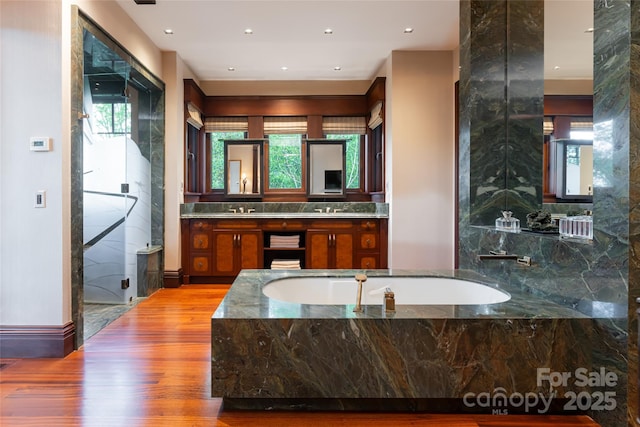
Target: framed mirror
326	168
243	168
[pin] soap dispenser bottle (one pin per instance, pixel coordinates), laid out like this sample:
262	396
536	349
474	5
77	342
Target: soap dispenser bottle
508	223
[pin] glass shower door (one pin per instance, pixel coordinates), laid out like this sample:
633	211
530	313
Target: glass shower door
106	204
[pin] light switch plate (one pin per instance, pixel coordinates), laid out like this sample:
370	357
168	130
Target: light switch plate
41	199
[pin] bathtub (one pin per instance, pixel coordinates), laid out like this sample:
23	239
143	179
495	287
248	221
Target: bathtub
407	290
290	340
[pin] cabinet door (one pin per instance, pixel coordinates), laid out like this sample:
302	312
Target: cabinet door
343	250
329	249
318	249
250	249
225	242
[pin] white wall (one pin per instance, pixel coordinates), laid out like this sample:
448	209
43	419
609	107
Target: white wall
31	240
420	159
35	84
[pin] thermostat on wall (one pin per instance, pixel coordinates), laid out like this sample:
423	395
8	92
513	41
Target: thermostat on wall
40	144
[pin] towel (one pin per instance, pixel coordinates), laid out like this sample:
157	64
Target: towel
292	241
285	264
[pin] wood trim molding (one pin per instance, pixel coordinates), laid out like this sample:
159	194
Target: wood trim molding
347	105
173	278
37	341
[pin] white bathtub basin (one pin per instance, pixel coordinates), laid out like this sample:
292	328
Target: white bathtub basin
407	290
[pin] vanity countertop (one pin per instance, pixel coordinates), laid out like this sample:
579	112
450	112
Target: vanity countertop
285	210
245	299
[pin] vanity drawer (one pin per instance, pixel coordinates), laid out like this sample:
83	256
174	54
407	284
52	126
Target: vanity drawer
237	224
283	224
369	225
367	262
201	225
368	241
200	241
200	265
332	225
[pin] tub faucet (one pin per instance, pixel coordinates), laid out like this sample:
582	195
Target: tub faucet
389	300
360	278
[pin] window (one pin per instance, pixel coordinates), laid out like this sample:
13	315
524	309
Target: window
217	156
352	175
218	129
112	118
285	161
351	129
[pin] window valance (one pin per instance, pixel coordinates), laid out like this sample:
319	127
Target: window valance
226	124
344	125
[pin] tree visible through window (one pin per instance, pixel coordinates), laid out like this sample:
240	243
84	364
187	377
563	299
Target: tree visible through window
217	156
285	161
112	118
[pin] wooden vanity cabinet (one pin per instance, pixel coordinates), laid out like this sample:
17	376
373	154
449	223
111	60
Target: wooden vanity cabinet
215	250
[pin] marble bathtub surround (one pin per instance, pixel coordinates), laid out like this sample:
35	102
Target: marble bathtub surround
268	354
285	210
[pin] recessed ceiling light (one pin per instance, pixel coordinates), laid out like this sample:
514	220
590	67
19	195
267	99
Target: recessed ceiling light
589	30
284	68
248	31
557	67
231	69
408	30
328	31
168	31
337	68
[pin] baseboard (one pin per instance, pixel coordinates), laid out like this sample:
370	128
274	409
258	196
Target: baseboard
36	341
173	278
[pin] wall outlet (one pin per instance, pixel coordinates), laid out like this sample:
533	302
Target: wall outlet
41	199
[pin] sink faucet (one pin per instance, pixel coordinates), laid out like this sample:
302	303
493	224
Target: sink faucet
241	209
360	278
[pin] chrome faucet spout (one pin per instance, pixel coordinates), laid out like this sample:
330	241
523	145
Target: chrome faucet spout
360	278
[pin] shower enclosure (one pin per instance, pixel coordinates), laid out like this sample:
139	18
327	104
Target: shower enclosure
121	124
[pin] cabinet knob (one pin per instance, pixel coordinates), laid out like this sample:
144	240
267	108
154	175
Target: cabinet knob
368	264
284	224
368	243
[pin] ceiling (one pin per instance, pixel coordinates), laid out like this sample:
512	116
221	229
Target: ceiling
209	35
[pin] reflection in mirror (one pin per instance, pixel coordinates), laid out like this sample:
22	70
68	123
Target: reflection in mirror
243	168
235	168
326	160
575	170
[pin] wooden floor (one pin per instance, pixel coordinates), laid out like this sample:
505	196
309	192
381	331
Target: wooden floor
151	367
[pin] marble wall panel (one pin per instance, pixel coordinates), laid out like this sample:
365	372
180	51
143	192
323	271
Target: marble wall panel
601	277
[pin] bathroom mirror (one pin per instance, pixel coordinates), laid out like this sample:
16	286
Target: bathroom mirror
326	166
243	168
568	74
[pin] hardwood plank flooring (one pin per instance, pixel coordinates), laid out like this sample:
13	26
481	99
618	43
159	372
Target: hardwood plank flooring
151	367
